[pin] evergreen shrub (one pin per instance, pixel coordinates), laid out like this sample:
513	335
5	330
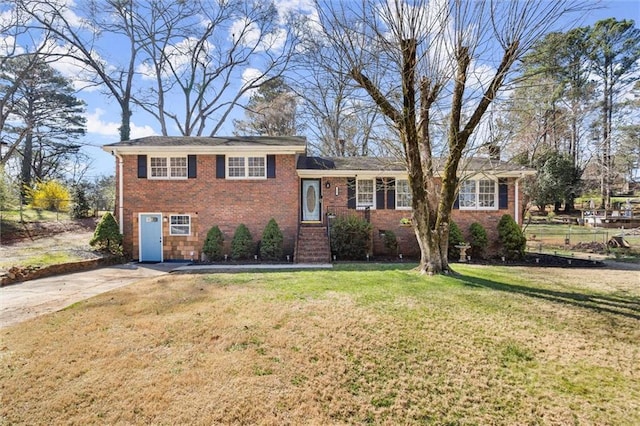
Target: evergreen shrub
272	241
478	240
242	243
107	236
350	238
455	238
511	238
213	244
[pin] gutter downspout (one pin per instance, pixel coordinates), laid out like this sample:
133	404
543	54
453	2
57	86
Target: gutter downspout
120	191
517	201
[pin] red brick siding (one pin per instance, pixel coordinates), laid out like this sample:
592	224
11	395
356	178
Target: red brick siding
210	201
227	203
384	219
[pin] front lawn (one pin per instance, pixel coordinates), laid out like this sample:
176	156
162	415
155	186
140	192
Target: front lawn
358	344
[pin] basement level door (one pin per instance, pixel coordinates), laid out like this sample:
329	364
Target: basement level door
310	200
150	237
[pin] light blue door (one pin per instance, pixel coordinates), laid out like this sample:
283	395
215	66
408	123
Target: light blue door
310	200
151	237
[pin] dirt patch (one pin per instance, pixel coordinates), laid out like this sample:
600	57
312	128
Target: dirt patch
35	244
16	232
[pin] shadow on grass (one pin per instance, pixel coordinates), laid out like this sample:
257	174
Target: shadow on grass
628	307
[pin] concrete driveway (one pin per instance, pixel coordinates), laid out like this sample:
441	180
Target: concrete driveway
19	302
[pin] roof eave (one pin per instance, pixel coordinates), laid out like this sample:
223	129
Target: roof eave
211	150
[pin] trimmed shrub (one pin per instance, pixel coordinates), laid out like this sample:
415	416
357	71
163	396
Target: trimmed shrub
271	243
478	240
242	243
511	238
455	238
350	238
213	244
81	205
49	195
390	242
107	236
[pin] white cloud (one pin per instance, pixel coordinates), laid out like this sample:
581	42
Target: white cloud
245	32
96	125
251	76
480	76
285	7
179	56
248	33
9	46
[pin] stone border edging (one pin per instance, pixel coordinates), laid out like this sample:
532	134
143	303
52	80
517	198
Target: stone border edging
28	274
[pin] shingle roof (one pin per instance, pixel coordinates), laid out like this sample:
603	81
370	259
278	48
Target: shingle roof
393	164
166	141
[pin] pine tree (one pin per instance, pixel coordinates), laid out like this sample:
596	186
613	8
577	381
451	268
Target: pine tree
271	111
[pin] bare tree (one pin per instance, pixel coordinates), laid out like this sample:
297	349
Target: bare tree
231	49
16	42
342	120
206	53
77	31
423	58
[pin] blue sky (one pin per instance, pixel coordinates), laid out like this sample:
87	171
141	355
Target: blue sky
103	113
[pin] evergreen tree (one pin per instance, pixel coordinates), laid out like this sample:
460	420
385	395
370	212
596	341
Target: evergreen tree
81	205
107	236
271	111
47	114
614	59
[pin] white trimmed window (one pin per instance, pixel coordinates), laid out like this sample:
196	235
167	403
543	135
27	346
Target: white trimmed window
168	167
180	224
365	192
246	167
479	194
403	194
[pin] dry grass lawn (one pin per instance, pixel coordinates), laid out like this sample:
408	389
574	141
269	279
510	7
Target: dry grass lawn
381	345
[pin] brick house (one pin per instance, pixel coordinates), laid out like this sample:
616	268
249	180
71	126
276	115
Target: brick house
172	190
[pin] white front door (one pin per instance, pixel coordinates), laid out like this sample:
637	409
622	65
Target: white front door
310	200
150	237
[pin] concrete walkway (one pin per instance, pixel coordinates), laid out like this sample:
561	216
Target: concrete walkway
22	301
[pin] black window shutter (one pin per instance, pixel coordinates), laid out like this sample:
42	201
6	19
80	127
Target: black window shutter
456	203
391	194
351	193
379	193
192	166
142	166
220	165
503	194
271	166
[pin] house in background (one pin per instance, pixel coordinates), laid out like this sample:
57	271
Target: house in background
172	190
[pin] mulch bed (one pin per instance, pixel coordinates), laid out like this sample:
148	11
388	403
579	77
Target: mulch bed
545	260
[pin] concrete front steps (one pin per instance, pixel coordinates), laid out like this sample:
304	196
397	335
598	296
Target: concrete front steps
312	245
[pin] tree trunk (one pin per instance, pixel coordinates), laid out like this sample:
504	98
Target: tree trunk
569	204
125	125
27	157
433	242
